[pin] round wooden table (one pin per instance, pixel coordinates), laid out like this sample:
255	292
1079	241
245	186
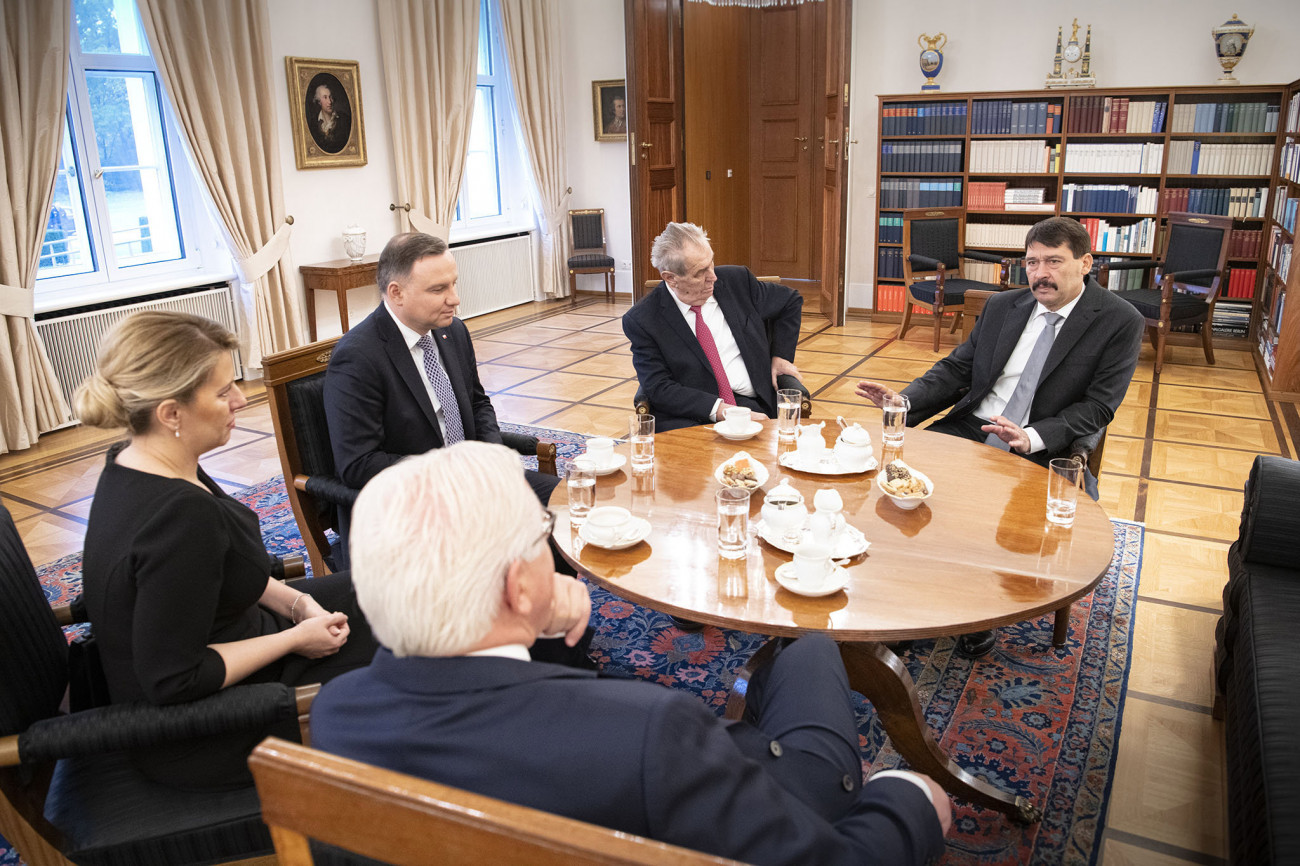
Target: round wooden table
978	554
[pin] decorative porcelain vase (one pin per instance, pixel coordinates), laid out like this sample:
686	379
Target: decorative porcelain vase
354	242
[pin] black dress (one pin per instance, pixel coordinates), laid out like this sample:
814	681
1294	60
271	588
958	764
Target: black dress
170	568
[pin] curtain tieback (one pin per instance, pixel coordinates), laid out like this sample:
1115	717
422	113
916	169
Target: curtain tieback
422	223
16	301
252	268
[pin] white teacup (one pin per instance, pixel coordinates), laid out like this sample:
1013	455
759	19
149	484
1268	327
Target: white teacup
813	571
735	419
601	451
607	524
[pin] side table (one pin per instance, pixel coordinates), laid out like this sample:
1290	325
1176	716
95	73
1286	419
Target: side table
337	276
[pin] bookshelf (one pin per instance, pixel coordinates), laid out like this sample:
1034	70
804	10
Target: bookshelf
1117	159
1277	326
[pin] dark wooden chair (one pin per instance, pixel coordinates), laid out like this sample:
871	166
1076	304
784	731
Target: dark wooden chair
295	387
1189	275
934	242
588	255
68	790
395	818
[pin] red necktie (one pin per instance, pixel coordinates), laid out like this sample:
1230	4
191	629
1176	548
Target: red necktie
705	336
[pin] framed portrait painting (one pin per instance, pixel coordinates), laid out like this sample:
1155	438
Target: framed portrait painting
325	108
609	107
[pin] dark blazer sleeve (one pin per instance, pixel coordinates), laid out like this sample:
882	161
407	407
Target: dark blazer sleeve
703	794
782	309
356	395
947	381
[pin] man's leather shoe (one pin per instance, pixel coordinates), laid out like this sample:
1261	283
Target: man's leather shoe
977	643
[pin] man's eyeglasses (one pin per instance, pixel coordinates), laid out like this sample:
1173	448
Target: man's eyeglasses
548	525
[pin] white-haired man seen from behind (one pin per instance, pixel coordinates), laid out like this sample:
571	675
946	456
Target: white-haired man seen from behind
455	591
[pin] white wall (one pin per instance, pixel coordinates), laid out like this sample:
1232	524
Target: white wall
598	170
1009	46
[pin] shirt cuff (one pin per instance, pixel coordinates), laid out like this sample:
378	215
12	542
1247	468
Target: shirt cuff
1035	441
717	404
914	778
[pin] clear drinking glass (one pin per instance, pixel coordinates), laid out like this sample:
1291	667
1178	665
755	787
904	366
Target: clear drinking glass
894	420
641	435
733	522
1063	477
582	490
788	403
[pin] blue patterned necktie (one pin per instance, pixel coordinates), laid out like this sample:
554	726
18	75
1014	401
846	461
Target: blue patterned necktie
454	432
1017	410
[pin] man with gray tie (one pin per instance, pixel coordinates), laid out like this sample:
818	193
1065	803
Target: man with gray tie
1043	366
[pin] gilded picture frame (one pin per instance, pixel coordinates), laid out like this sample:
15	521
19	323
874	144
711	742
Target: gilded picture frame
325	110
609	109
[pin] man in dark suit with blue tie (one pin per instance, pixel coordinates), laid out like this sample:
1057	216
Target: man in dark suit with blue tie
452	696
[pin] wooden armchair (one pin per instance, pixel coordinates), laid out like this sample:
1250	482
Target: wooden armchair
396	818
588	255
295	387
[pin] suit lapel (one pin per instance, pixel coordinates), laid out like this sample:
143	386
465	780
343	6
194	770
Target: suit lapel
668	312
1012	327
400	357
759	368
1075	325
456	373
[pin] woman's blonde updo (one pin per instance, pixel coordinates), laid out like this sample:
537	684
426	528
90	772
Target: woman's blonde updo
149	357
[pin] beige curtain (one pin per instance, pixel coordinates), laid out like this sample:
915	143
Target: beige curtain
430	53
215	62
34	65
533	44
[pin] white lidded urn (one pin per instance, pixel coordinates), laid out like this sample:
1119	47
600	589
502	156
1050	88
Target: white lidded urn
354	242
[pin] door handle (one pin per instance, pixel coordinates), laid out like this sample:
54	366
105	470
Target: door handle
801	138
98	173
646	144
833	141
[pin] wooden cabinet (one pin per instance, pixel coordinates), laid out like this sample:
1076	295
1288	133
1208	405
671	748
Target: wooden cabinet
1277	329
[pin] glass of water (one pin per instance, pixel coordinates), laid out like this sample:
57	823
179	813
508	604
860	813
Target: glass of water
641	434
582	490
788	402
1063	477
894	420
733	522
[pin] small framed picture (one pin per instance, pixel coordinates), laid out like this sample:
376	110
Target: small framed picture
609	108
325	107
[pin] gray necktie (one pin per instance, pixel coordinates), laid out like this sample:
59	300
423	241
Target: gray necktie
1017	410
455	432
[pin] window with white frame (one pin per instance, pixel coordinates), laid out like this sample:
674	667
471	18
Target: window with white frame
128	216
495	192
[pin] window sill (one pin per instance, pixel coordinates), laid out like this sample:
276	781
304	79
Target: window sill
106	293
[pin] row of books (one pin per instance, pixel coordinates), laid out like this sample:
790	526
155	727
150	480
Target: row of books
1279	255
1238	202
1005	117
891	228
1224	117
988	272
924	118
1194	157
1108	198
1284	210
903	192
1128	158
1231	320
921	156
1289	164
889	263
1245	243
1241	283
1001	235
1026	156
889	299
1123	281
1115	114
1138	237
1293	113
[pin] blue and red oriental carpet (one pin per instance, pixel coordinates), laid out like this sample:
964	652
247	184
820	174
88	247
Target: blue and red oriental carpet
1030	718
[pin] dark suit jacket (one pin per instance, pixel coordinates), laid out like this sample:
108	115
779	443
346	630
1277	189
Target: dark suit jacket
670	365
375	399
624	754
1082	382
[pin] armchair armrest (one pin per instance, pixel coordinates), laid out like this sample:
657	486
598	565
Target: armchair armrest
288	567
925	262
1133	265
991	258
530	446
1087	450
1270	521
787	382
327	488
1183	276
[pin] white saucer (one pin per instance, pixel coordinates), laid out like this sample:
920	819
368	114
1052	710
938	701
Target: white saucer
748	433
801	461
614	465
851	543
786	577
638	530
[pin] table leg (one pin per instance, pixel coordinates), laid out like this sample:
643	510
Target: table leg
311	314
342	295
880	676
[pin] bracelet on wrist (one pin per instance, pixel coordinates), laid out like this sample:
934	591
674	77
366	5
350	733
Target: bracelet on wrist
294	606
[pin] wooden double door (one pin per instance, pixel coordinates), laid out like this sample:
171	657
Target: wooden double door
739	119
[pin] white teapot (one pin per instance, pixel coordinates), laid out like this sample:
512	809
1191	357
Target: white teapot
784	512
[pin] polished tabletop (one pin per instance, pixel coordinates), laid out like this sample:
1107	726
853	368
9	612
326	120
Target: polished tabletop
979	553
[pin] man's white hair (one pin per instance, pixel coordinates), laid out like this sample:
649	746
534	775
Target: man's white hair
666	254
431	540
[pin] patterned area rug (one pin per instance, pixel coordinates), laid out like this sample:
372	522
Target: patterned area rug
1030	718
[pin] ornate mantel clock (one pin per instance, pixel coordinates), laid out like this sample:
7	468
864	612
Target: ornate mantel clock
1071	54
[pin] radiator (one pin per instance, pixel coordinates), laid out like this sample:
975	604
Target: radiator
72	340
495	274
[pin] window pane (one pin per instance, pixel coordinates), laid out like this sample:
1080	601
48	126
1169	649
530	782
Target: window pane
66	249
133	159
109	27
482	182
484	40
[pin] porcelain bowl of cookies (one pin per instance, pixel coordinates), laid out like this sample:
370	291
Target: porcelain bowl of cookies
905	487
741	471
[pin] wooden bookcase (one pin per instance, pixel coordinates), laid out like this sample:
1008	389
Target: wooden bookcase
1277	326
958	122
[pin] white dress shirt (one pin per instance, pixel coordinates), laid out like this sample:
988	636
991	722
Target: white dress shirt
996	400
728	350
417	358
